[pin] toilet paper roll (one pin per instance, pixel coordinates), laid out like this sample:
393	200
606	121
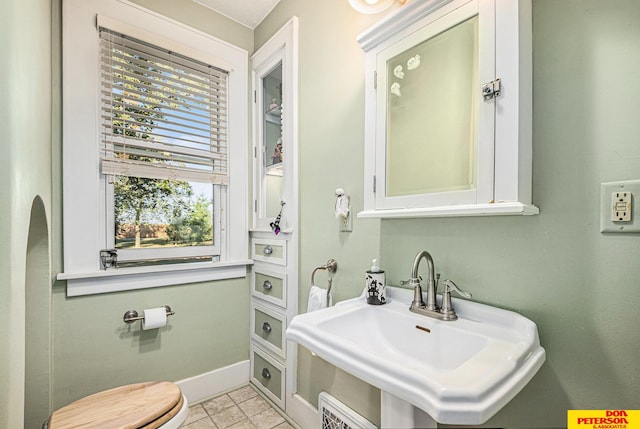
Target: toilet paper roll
154	318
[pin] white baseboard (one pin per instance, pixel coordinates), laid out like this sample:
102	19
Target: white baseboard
302	412
212	383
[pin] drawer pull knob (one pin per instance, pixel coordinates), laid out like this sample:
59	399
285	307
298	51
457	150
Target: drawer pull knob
266	327
266	374
268	250
267	285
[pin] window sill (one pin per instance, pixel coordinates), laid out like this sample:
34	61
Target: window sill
96	282
496	209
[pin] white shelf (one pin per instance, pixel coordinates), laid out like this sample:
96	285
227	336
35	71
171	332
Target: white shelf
274	169
276	111
274	116
495	209
272	119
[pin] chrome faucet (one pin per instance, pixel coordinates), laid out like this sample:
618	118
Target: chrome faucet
414	281
431	307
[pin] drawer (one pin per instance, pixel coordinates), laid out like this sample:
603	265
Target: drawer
268	375
273	251
269	285
268	329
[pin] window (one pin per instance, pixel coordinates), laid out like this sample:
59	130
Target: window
154	150
164	150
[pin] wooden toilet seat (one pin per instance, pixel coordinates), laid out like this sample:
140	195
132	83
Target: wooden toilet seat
143	405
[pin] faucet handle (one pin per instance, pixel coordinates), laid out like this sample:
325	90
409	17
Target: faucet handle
406	282
449	285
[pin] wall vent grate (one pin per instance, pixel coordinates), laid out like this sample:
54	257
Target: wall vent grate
336	415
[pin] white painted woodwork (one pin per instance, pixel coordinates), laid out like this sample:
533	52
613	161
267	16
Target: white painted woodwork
280	49
86	214
504	153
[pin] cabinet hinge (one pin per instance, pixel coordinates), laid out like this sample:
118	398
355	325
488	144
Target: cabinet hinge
255	96
255	152
255	206
375	79
491	90
374	184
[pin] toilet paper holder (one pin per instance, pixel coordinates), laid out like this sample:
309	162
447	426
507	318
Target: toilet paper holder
132	315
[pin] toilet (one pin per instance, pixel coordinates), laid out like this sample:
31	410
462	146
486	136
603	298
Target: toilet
151	405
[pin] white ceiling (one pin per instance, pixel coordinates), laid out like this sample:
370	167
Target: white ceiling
247	12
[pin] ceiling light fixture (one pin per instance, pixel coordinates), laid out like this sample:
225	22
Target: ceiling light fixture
372	6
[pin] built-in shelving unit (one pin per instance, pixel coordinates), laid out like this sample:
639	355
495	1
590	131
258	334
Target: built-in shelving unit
274	236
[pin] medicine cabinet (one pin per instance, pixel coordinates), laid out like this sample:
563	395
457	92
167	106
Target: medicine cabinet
448	110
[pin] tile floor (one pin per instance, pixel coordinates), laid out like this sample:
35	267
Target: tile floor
243	408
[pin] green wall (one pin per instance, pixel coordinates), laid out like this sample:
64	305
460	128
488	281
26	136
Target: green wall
204	19
25	177
330	148
578	285
94	346
556	268
94	349
330	140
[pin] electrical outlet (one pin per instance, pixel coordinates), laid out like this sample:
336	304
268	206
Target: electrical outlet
621	206
618	210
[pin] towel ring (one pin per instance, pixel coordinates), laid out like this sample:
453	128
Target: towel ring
331	266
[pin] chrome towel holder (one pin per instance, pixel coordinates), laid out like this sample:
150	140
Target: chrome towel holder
132	315
331	266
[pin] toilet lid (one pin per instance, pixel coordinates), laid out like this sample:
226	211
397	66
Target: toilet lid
136	405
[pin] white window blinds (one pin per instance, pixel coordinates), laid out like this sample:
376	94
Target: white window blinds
163	115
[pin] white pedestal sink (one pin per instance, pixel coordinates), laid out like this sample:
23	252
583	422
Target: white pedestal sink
460	372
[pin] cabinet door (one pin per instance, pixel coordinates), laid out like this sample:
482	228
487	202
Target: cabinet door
432	123
272	165
448	110
272	143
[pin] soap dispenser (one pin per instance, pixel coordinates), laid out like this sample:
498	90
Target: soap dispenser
375	288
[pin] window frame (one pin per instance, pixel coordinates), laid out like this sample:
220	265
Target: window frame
85	189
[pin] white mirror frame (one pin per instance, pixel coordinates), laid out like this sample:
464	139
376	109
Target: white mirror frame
512	134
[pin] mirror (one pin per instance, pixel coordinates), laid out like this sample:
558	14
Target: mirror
448	110
432	116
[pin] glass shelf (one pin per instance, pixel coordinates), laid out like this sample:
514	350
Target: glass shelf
275	169
275	111
273	119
